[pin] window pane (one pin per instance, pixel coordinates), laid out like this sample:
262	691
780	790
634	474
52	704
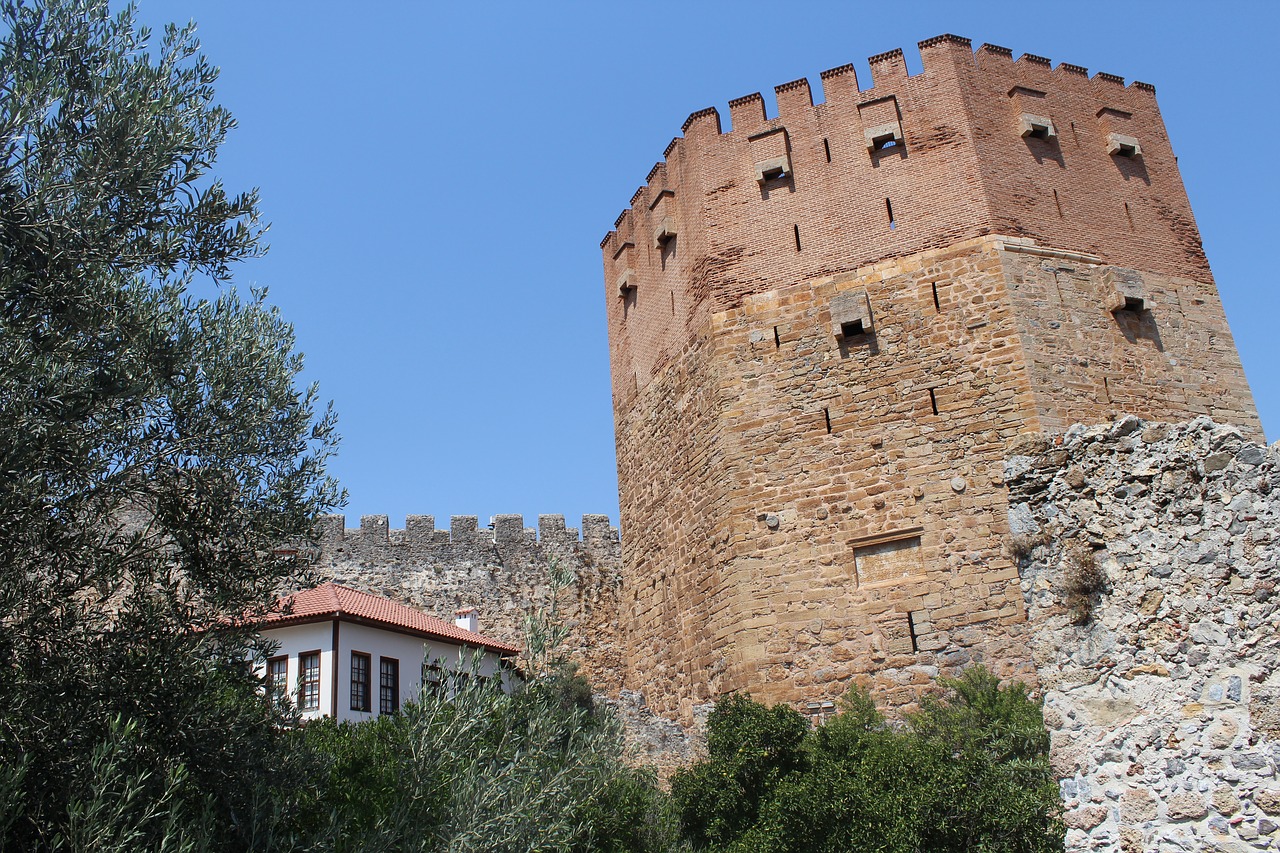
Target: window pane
388	685
359	682
278	677
309	681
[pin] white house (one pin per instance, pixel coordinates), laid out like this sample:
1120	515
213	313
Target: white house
352	655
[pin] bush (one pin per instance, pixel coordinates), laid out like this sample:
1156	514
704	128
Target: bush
471	768
968	772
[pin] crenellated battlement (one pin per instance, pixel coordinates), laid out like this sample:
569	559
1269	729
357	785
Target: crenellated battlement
977	143
502	569
465	530
945	59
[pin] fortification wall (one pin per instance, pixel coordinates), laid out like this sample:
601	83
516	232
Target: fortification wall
825	510
678	480
1150	559
823	344
501	570
711	224
1173	359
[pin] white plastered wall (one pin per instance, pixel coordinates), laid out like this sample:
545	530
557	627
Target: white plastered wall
411	652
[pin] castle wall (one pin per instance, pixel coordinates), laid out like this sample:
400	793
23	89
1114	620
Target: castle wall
861	537
1161	676
678	481
502	571
822	345
960	169
1173	360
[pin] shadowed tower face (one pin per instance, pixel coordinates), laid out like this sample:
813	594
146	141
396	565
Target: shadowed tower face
828	328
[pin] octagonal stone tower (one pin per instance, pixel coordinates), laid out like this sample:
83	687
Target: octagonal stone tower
828	328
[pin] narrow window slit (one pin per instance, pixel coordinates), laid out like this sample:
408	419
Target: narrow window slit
1057	203
1128	213
777	341
1106	390
826	147
933	401
888	206
826	414
911	626
937	306
797	232
673	303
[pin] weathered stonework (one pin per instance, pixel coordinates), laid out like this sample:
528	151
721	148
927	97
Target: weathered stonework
1162	692
823	345
502	571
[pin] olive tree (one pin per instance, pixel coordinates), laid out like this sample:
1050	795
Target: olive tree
155	447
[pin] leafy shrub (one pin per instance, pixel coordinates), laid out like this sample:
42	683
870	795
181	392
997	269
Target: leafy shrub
968	772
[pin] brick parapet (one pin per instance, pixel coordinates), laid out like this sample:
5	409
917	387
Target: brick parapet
961	169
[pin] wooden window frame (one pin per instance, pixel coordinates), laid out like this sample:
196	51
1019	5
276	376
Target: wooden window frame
280	690
304	683
388	704
362	691
434	677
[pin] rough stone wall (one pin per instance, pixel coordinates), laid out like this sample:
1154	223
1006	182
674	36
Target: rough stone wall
1161	677
677	479
863	537
503	572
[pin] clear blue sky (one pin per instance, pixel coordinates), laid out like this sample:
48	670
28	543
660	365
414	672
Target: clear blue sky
439	177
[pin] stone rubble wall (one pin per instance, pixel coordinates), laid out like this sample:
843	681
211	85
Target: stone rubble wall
1161	675
502	570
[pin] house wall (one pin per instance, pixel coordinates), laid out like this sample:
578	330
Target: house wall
295	639
411	651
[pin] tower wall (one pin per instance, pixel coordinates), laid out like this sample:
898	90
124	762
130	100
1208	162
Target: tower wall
807	501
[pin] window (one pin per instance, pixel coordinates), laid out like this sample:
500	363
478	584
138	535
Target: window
309	681
360	667
388	685
278	677
433	678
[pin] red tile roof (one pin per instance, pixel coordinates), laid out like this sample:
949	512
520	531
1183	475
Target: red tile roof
332	601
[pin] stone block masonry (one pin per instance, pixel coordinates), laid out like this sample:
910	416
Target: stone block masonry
1161	674
502	570
828	327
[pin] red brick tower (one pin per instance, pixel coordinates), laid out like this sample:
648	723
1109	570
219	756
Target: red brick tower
826	328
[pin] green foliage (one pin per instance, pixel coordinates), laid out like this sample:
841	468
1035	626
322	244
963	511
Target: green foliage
986	754
968	772
154	449
469	768
751	750
357	783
